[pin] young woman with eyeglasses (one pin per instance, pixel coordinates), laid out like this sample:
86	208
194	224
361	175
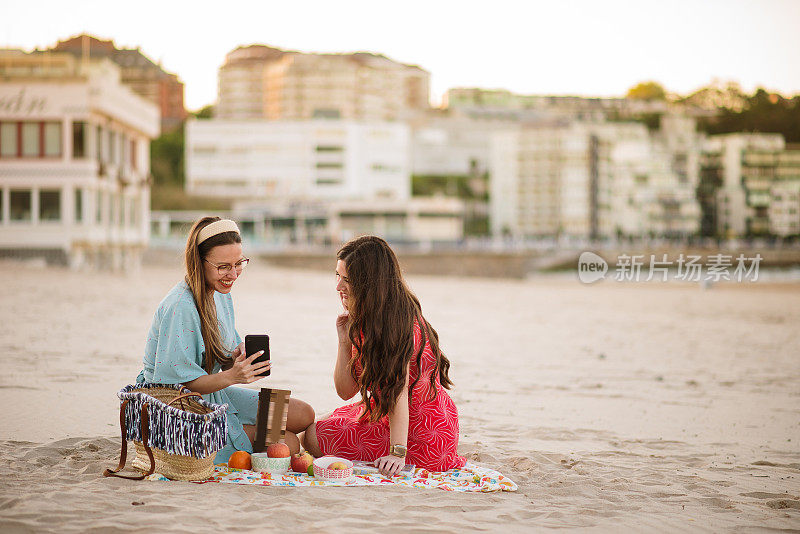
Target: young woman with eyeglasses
193	339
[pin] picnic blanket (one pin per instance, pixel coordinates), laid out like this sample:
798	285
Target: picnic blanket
470	478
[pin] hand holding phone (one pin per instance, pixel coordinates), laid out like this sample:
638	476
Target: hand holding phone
254	343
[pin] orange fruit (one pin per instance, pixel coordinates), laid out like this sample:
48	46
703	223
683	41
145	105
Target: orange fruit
240	460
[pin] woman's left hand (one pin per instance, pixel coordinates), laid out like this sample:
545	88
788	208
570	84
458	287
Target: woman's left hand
390	465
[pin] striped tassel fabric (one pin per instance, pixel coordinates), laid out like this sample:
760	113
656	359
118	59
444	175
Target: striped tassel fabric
173	429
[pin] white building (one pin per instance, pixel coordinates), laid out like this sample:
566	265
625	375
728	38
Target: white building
74	160
269	225
744	168
541	181
416	220
477	101
650	186
450	146
304	160
755	183
784	209
593	180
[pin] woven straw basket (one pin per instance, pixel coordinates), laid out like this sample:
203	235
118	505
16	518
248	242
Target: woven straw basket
175	432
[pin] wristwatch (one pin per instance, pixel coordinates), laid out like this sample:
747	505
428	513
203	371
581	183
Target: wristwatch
398	450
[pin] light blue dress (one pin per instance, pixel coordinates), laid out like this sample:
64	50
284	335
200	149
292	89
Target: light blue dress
175	354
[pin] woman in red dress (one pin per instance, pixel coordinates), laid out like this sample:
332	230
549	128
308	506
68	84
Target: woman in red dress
390	354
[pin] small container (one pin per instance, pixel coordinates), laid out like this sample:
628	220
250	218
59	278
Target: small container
322	472
265	464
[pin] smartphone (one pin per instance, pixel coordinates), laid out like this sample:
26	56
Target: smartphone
255	343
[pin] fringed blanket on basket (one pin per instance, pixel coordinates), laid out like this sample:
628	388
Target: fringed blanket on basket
175	431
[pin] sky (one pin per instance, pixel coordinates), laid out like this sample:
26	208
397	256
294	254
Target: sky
559	47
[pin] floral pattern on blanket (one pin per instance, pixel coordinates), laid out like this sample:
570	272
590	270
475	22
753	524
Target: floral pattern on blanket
470	478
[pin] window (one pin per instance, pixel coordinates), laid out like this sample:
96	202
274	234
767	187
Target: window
20	205
380	167
78	205
322	113
2	204
78	139
110	209
133	154
329	165
30	139
329	148
133	220
119	210
111	142
203	150
50	205
98	212
8	139
124	146
99	148
177	228
248	227
52	139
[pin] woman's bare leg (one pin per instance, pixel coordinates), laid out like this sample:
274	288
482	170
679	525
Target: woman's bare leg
310	442
300	416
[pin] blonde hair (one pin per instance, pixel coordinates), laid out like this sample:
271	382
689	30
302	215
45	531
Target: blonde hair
194	255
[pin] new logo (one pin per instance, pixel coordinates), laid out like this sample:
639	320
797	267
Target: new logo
591	267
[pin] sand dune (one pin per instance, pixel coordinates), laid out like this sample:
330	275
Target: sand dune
646	407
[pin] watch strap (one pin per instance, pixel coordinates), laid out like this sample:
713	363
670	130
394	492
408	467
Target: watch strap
398	450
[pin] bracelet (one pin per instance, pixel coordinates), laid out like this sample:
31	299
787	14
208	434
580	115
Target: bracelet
398	450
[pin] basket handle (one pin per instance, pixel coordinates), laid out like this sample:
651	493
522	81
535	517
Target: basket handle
183	396
123	454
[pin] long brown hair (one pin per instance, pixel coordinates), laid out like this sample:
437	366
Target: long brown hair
382	314
194	256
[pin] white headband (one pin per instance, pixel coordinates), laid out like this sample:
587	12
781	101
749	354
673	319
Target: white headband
217	227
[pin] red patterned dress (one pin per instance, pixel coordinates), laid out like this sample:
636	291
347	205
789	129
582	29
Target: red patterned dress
432	424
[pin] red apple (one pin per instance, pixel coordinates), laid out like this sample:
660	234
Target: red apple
301	461
278	450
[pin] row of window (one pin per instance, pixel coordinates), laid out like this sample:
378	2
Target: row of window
44	139
21	206
30	139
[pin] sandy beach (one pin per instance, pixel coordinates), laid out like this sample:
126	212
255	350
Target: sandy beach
635	407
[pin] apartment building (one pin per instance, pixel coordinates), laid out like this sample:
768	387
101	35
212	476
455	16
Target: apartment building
241	82
138	72
261	82
74	161
477	101
454	145
750	185
593	180
298	160
784	209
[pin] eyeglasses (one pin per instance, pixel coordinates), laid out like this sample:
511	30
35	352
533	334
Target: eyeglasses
225	268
